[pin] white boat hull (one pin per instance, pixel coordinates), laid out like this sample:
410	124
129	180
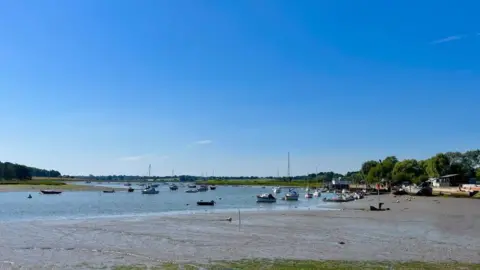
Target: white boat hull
309	195
291	198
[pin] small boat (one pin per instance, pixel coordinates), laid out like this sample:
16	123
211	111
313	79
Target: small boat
202	188
292	195
130	189
47	191
173	187
191	191
154	185
206	203
29	196
277	190
317	193
109	191
339	199
150	190
192	186
266	198
213	187
127	184
308	195
88	182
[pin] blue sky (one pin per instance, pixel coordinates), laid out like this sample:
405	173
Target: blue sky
108	87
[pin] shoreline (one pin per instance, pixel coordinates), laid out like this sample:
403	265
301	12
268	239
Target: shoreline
425	229
64	188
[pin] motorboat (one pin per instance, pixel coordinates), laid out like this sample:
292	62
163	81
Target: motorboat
109	191
173	187
206	203
50	192
340	198
192	186
266	198
277	190
292	195
191	191
202	188
422	190
308	195
213	187
317	193
130	189
150	190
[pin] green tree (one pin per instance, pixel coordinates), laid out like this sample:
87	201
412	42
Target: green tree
387	166
438	165
409	168
367	165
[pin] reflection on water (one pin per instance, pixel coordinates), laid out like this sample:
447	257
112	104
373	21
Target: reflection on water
16	206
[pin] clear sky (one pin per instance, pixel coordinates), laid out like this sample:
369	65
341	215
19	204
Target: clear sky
108	87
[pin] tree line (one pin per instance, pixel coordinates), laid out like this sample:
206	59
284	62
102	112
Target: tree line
10	171
466	165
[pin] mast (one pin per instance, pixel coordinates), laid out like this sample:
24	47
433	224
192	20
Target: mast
288	169
149	169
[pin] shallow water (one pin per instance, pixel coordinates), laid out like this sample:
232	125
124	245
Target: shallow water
92	204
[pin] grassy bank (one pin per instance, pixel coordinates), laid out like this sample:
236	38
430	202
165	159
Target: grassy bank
305	264
257	182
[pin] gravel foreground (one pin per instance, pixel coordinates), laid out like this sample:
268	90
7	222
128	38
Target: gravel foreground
423	229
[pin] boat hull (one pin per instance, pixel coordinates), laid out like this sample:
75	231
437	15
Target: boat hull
50	192
291	198
308	195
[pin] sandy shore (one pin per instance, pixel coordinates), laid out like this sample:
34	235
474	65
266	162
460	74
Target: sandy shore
424	229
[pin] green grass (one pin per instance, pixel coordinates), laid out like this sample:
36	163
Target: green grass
306	265
257	182
45	182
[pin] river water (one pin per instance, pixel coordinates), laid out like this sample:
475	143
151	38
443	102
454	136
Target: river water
96	204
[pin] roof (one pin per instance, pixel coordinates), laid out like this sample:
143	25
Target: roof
448	176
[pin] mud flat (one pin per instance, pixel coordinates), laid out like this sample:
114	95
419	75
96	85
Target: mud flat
423	229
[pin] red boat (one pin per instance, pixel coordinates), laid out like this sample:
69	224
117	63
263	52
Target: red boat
50	191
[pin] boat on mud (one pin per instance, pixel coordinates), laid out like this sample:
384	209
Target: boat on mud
173	187
317	193
213	187
109	191
130	189
191	191
266	198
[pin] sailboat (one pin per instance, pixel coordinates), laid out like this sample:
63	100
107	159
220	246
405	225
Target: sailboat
308	195
150	189
292	194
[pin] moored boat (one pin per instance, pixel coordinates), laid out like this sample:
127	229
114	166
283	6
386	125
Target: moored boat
292	195
150	190
109	191
317	193
202	188
127	184
191	191
192	186
277	190
266	198
130	189
213	187
308	195
206	203
48	191
173	187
